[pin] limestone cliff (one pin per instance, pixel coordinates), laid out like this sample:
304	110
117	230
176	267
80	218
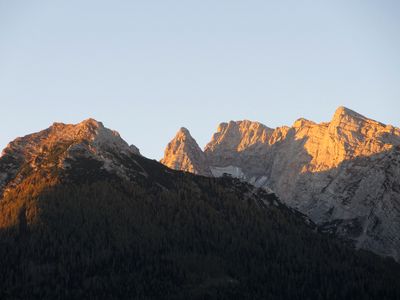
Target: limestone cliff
183	153
344	174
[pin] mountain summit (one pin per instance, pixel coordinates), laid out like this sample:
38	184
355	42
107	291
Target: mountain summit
184	153
343	174
59	148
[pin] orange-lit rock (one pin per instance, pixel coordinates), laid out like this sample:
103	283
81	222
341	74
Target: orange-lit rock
344	174
183	153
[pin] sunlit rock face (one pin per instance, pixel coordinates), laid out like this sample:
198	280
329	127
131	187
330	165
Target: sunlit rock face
183	153
344	174
234	138
59	146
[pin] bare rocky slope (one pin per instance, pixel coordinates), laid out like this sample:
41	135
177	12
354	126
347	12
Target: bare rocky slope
344	174
183	153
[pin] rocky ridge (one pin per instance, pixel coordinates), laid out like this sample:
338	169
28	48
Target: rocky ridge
58	147
343	174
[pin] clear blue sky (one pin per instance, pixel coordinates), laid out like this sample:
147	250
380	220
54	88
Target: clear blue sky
146	68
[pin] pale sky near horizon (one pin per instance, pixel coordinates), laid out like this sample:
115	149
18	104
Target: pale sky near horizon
147	68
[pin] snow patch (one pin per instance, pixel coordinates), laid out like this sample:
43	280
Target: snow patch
230	170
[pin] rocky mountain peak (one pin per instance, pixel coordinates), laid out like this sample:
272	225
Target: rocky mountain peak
301	122
92	122
88	132
345	117
343	173
61	144
342	111
184	131
238	135
353	134
183	153
183	136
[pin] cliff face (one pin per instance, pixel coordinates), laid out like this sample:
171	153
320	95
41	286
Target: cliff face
344	174
235	137
183	153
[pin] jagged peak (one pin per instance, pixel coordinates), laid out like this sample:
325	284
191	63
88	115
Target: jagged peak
241	124
92	122
58	124
89	123
183	135
183	153
88	131
239	135
344	115
184	130
248	123
301	122
343	111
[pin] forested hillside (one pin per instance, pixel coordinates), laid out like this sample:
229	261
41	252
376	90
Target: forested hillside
194	238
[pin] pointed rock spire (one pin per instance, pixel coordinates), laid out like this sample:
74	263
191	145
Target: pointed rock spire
183	153
345	115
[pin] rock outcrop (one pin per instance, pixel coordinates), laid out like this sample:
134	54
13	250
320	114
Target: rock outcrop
183	153
58	147
343	174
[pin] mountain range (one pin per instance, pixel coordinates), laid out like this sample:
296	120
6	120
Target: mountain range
343	174
83	215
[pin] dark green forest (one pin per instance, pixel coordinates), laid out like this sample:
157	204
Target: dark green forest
172	235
